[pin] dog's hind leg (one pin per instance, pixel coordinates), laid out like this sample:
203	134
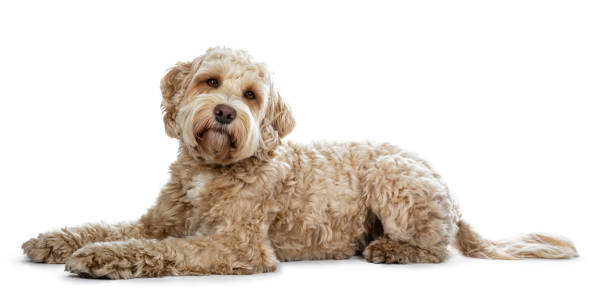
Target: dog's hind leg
386	250
415	209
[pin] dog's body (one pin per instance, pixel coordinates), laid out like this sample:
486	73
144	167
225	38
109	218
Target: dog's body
240	199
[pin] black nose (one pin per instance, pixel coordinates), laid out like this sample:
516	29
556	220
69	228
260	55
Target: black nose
224	114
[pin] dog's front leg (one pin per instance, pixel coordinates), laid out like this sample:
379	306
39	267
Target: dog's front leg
57	246
228	253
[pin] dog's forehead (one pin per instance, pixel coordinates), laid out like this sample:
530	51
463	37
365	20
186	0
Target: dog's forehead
229	64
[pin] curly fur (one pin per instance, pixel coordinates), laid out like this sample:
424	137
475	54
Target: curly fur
240	199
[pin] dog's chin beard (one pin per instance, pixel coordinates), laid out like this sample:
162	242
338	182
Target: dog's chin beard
217	143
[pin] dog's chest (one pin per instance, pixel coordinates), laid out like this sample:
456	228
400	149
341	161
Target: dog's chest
218	200
196	190
197	186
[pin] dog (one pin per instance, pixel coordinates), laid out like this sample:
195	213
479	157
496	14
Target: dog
241	198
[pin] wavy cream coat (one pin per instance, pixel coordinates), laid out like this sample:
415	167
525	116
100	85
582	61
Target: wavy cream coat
240	199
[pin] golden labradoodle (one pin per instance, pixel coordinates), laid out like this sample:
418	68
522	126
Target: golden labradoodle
240	199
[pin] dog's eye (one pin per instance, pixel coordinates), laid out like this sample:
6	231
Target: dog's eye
213	83
249	94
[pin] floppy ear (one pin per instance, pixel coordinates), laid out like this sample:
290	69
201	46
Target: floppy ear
282	118
172	88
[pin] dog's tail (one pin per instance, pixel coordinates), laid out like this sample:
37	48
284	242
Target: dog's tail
533	245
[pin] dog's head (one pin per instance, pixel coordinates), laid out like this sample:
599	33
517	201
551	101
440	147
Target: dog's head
223	107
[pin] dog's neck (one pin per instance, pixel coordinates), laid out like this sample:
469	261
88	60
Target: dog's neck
264	154
244	170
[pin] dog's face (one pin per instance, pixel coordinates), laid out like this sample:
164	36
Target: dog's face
223	107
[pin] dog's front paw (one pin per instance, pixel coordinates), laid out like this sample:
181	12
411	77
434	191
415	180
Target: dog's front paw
100	261
52	247
120	260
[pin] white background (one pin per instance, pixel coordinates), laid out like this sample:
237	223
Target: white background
510	101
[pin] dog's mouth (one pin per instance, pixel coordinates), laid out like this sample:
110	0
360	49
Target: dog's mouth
217	142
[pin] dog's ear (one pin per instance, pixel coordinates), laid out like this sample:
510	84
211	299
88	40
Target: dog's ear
281	117
172	88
